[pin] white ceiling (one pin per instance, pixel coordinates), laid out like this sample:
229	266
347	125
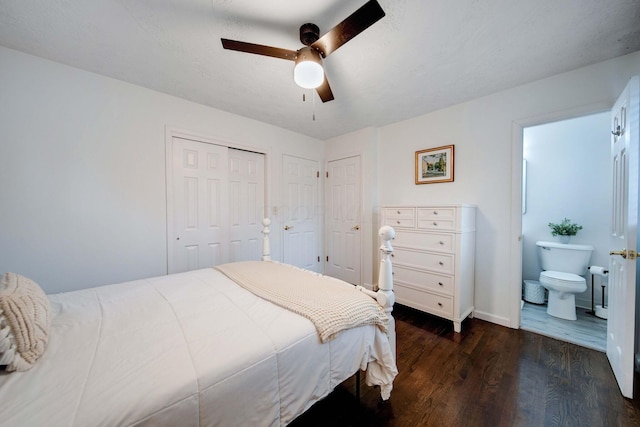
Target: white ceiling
422	56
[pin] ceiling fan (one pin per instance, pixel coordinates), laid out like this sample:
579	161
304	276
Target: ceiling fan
308	72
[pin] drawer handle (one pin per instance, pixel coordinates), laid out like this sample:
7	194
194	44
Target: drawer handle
435	224
397	222
440	283
440	262
441	242
439	304
435	212
398	212
393	255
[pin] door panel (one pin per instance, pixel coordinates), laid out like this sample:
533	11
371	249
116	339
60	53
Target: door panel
344	244
199	194
300	213
623	241
216	205
246	204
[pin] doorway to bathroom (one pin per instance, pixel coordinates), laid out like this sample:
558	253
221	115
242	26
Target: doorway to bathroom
567	174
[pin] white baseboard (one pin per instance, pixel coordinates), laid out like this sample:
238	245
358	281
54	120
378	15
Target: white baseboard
584	303
502	321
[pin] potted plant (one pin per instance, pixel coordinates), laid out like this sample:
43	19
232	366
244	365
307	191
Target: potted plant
565	229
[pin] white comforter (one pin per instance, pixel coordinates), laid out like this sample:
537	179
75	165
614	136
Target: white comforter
190	349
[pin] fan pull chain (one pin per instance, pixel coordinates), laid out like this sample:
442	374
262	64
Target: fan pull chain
313	101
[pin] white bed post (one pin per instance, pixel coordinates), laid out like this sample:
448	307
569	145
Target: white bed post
266	248
384	295
385	281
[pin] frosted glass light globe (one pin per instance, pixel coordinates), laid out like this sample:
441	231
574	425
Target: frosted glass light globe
308	72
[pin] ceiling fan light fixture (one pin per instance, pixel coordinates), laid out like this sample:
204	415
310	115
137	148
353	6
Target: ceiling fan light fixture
308	72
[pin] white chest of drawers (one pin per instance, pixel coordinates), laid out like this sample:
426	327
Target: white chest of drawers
434	258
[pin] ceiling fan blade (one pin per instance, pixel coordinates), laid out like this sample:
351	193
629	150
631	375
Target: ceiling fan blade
259	49
324	90
356	23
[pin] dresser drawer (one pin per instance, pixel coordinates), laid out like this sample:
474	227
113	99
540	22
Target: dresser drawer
423	280
437	213
400	222
399	217
434	261
436	224
399	212
430	241
437	218
425	301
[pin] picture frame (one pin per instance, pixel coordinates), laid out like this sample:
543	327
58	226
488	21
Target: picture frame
434	165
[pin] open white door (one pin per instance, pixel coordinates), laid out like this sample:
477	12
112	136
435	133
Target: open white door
624	231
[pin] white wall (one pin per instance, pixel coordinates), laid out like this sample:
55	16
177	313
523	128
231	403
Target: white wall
485	146
82	161
82	171
568	175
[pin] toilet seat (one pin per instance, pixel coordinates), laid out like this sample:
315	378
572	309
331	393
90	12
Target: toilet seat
563	281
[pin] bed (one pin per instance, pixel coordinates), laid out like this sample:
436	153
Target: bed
195	349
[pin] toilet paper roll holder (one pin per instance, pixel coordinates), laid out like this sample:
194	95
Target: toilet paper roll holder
605	273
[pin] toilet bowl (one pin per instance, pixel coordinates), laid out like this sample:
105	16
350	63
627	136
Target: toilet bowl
563	266
562	288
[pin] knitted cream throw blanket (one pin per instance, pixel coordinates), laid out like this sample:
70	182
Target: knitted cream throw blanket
332	305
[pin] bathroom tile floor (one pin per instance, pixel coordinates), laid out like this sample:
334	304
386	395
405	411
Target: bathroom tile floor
588	331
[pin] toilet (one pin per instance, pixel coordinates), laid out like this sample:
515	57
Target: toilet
563	266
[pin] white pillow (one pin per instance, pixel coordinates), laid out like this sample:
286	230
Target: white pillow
25	319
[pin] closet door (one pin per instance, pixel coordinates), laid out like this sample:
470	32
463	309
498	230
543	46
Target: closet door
300	212
344	241
246	204
198	233
215	204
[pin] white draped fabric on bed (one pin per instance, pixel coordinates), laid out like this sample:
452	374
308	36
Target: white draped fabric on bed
187	349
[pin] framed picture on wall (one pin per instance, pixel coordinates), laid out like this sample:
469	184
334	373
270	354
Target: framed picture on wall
434	165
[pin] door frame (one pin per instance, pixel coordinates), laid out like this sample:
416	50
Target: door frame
173	132
515	239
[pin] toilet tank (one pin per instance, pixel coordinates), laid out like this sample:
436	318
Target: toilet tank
562	257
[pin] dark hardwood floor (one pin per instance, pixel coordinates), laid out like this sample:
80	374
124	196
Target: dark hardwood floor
488	375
